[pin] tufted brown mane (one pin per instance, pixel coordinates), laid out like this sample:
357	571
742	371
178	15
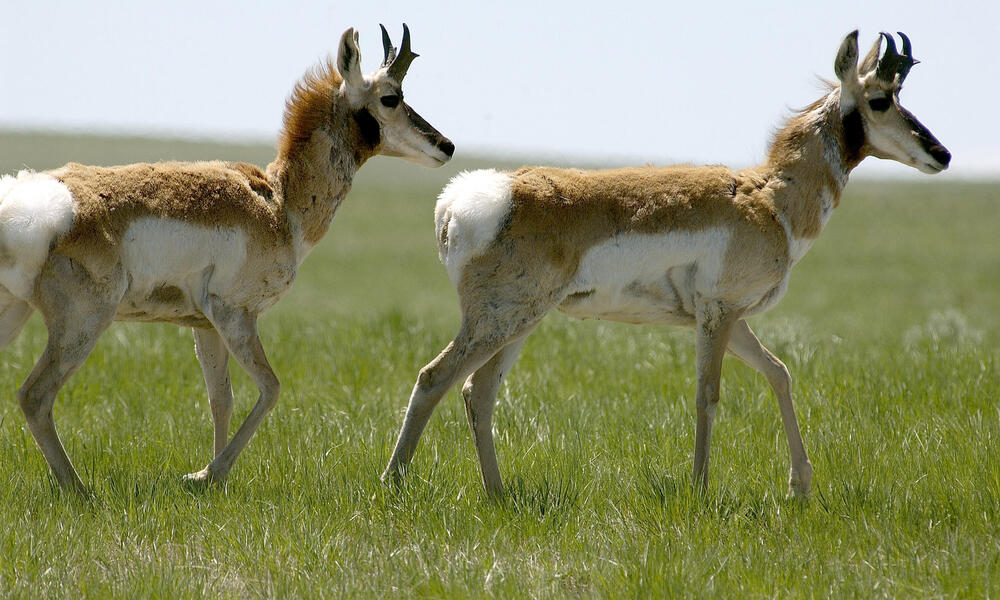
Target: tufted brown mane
308	106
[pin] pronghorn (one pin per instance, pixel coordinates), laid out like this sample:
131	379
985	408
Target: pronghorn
703	247
208	245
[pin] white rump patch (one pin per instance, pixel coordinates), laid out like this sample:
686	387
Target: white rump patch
35	209
469	212
157	252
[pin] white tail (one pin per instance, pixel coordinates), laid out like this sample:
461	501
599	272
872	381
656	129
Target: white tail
468	214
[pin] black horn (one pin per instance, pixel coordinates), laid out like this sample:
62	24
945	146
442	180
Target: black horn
390	50
402	60
906	43
907	61
892	62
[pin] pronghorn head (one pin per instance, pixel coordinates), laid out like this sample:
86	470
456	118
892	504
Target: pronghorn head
875	122
387	123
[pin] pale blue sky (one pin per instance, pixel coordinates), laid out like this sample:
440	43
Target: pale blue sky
617	81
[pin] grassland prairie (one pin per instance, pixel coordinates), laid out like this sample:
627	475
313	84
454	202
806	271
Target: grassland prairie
889	328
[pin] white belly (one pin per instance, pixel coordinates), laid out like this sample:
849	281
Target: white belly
173	266
648	278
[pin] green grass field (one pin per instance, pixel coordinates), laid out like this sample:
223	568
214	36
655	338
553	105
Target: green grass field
889	329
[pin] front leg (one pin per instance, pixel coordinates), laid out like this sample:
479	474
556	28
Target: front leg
214	359
238	329
745	346
714	322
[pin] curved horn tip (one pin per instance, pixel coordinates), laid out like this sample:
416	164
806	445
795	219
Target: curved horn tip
404	57
387	47
890	42
907	47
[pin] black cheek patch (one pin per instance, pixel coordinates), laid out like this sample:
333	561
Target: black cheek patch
371	132
854	136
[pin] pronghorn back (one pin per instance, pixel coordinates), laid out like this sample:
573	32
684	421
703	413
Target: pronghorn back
561	214
210	193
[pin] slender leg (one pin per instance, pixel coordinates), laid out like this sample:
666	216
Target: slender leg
214	359
479	393
745	346
66	350
457	360
76	312
477	341
714	323
238	330
13	316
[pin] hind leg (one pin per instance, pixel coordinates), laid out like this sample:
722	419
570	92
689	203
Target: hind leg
67	349
76	312
478	340
460	358
14	313
480	393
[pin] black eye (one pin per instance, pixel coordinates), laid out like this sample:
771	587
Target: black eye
390	101
879	104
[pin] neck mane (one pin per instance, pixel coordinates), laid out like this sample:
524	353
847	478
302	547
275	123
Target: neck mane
809	162
320	148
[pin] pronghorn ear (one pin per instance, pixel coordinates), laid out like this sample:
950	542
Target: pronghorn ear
846	65
349	58
846	68
870	61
